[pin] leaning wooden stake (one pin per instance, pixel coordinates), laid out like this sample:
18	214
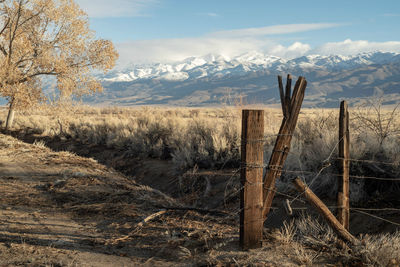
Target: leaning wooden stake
325	212
343	201
291	104
251	195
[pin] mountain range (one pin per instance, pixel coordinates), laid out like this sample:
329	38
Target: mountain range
252	78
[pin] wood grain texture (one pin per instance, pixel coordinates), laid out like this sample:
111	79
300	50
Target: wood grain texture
282	144
343	200
251	195
288	92
282	95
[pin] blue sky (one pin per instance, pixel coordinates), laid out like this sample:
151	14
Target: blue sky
170	30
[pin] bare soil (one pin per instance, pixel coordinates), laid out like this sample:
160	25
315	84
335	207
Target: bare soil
60	209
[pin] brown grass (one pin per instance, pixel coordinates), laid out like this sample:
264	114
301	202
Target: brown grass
209	138
97	196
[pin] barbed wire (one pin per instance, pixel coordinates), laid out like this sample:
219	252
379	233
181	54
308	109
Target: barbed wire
396	179
360	210
370	161
376	209
356	209
393	179
265	138
376	217
237	191
327	164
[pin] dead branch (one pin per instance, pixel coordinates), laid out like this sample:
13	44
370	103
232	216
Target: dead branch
138	226
325	212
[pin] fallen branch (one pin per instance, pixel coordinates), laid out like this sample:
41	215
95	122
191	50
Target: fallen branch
151	217
325	212
139	225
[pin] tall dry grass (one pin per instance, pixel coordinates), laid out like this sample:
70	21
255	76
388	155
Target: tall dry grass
210	138
306	235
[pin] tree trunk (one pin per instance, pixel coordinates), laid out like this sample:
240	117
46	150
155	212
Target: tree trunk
10	117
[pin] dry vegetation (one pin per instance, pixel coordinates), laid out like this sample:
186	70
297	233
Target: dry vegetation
201	149
208	138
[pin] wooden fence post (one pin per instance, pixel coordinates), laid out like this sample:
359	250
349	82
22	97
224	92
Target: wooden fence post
343	200
251	194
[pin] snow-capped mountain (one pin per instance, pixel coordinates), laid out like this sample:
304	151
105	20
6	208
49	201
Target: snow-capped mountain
214	79
218	66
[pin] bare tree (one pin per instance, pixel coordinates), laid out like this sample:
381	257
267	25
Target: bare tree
48	38
380	120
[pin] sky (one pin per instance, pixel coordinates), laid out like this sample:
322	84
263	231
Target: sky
163	31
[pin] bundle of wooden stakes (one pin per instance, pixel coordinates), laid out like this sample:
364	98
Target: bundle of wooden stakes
291	104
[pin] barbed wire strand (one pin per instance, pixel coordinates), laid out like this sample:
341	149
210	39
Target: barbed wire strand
336	158
326	164
323	167
358	210
308	172
370	161
376	209
273	190
376	217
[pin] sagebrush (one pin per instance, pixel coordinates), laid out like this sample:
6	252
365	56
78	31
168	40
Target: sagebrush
209	138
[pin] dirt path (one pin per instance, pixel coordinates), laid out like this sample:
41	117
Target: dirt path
35	230
31	236
59	209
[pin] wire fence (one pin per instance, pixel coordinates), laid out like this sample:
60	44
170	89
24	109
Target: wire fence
275	168
327	167
360	210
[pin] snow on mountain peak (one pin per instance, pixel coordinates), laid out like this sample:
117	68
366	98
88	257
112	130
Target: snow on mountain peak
218	65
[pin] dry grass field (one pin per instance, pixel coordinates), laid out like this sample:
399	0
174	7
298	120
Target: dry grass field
77	181
209	138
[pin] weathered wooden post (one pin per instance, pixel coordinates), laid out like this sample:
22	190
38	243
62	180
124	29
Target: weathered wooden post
291	105
324	211
343	200
251	194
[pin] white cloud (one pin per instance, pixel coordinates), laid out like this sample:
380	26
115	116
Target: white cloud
172	50
209	14
295	50
227	43
349	47
168	50
274	30
116	8
391	15
236	42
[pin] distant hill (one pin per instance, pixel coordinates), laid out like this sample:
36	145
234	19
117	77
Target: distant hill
212	80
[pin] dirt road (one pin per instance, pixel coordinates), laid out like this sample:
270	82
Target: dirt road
54	209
